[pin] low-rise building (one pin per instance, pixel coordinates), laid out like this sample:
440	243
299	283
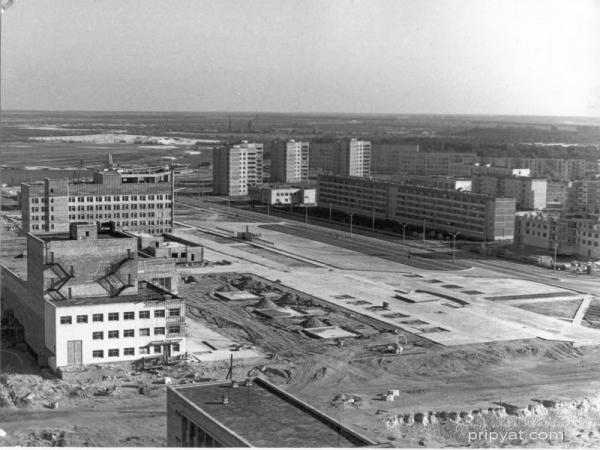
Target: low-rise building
253	413
280	195
90	297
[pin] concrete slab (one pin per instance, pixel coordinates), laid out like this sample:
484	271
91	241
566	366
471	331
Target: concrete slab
329	333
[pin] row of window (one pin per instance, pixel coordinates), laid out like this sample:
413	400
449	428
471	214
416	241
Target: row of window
117	207
117	216
114	334
130	351
129	315
119	198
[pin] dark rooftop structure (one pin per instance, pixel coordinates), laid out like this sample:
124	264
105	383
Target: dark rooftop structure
253	413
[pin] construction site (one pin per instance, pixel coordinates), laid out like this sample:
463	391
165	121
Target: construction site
406	355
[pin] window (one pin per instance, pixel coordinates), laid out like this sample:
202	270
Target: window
113	334
143	350
128	333
175	347
145	314
173	312
65	320
113	352
98	317
113	316
98	335
98	354
159	313
82	319
174	329
159	330
129	351
157	349
130	315
144	331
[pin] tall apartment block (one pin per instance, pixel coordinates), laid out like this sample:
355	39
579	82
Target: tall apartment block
584	196
289	161
135	200
91	297
472	215
236	167
352	158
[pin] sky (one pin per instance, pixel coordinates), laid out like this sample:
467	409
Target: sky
514	57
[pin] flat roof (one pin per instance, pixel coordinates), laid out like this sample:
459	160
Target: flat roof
66	236
148	293
266	416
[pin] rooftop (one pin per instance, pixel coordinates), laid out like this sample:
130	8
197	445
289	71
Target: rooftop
146	293
266	416
66	236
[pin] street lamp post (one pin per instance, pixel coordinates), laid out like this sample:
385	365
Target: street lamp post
373	221
454	247
330	210
423	230
404	225
351	214
554	260
306	216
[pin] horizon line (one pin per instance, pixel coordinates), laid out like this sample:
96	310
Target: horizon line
332	113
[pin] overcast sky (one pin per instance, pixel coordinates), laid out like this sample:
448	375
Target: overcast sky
366	56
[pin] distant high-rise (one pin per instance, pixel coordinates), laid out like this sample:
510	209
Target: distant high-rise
353	158
289	161
237	167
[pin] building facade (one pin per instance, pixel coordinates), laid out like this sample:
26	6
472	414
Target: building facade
90	297
353	158
583	196
472	215
289	161
529	193
284	195
236	167
136	200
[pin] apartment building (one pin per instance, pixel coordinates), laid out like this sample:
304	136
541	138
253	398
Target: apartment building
236	167
135	200
551	168
289	161
577	235
352	158
434	181
584	196
90	297
250	413
529	193
472	215
414	162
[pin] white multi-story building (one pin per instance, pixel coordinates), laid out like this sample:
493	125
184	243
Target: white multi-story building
289	161
90	297
353	158
236	167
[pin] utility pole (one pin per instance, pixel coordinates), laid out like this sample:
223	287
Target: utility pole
306	216
423	230
404	225
330	210
351	214
555	254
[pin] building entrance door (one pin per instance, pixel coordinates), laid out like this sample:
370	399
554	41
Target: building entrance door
74	353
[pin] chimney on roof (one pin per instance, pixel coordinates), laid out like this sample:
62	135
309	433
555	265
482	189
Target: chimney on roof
225	400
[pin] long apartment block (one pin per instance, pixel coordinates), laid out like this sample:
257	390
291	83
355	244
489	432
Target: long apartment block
135	200
475	216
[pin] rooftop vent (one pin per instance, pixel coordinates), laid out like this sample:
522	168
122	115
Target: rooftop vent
234	384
